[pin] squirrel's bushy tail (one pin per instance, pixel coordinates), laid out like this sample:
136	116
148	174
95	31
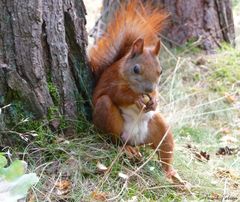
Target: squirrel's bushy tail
132	20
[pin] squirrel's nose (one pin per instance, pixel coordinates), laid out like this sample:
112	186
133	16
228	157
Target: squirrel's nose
148	89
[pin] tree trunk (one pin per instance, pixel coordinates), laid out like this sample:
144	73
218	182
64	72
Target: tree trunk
42	56
108	10
209	22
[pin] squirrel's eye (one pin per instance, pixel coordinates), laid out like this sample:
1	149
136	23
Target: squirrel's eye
159	73
136	69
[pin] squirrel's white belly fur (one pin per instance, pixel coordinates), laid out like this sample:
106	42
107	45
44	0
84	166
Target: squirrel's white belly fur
135	129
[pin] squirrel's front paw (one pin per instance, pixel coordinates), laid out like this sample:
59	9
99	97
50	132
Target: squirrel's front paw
140	103
151	105
146	103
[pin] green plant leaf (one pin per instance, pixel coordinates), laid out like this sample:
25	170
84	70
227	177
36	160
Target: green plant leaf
3	161
15	170
14	183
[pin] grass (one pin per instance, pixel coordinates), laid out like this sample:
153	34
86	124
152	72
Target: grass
194	99
226	70
201	103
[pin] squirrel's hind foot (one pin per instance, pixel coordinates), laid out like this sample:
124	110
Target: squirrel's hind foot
174	178
132	152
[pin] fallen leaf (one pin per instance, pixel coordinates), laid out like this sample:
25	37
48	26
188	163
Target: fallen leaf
151	168
133	199
226	131
101	168
200	155
230	98
63	184
31	198
235	185
34	134
99	196
63	187
123	176
201	61
227	173
215	196
205	155
227	151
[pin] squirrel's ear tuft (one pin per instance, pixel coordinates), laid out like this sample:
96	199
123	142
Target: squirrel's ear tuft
157	48
137	47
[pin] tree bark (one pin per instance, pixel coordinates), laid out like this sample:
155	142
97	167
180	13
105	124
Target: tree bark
42	56
209	22
108	10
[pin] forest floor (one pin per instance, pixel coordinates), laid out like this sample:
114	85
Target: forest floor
199	96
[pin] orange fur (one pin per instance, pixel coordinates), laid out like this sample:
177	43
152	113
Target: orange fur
126	66
131	21
159	129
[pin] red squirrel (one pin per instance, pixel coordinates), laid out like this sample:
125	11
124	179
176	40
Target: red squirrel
127	69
